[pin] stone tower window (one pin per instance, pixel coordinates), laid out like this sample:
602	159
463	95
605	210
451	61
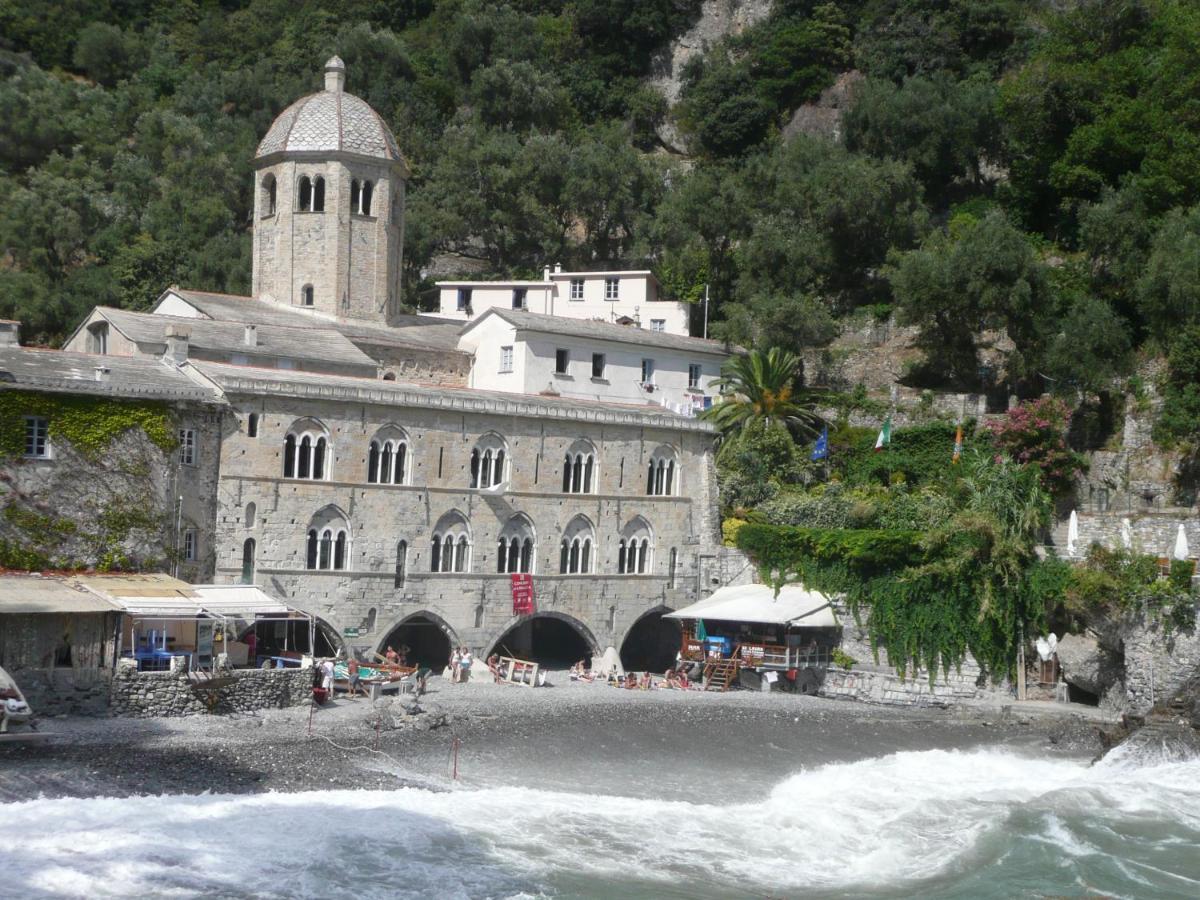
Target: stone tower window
368	188
517	547
306	451
248	547
360	197
387	457
660	473
579	467
575	552
401	563
635	550
488	462
306	194
318	203
268	196
328	544
450	547
306	295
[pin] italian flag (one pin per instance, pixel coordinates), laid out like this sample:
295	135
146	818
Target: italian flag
885	435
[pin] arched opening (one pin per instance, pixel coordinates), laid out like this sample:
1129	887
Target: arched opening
551	642
651	644
428	641
318	194
305	194
367	189
306	295
251	514
268	195
355	195
252	425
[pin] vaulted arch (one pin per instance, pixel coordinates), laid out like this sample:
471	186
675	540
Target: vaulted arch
388	456
576	550
635	548
516	548
328	543
307	451
489	461
450	545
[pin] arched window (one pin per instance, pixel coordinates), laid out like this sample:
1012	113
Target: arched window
251	514
660	473
575	551
355	195
98	338
305	194
488	462
328	546
367	189
516	548
401	562
635	549
248	561
387	457
450	546
672	563
579	469
306	295
318	194
306	451
252	425
268	195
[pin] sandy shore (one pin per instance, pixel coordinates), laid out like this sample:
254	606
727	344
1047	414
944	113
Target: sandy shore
568	737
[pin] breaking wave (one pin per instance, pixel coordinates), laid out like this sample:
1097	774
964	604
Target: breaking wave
983	823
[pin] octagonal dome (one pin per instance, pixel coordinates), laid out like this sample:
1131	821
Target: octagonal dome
331	120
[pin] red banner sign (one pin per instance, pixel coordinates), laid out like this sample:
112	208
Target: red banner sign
522	594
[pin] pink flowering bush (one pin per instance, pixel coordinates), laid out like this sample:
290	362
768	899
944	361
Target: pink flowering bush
1035	433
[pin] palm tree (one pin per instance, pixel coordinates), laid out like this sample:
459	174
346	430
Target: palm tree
760	389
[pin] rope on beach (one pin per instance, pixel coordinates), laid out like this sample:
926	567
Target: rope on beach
334	743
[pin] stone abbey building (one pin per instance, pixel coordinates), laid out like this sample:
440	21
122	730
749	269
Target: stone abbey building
389	473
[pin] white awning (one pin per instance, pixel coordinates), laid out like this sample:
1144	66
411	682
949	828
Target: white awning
240	601
758	603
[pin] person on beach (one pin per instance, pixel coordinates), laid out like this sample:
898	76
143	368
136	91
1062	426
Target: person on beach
455	665
327	676
353	676
251	642
493	664
392	656
464	664
647	681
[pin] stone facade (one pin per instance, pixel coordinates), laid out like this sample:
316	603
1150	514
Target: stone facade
1157	664
475	607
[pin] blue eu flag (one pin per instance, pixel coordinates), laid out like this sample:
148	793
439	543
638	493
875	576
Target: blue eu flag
821	451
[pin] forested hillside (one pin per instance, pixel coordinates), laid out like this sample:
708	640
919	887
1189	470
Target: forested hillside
1026	166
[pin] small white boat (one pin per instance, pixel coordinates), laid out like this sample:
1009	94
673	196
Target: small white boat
13	708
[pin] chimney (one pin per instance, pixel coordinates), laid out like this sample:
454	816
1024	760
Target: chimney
177	344
102	373
557	268
545	273
335	75
10	332
251	336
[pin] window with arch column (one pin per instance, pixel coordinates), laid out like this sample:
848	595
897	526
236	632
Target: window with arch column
576	550
306	451
328	544
450	546
248	548
661	480
360	196
489	461
579	468
401	563
387	457
635	549
516	548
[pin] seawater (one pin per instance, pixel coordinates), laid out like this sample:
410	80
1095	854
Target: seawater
979	823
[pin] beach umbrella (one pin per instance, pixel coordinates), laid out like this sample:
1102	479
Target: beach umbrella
1181	545
1126	534
1072	533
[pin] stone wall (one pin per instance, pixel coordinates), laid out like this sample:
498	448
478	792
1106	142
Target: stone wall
1156	664
881	684
1153	533
148	694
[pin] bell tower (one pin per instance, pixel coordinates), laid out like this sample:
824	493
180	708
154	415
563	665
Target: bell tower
329	207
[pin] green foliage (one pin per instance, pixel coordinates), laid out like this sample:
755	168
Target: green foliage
843	659
88	424
979	274
1179	420
755	463
1169	290
761	391
972	584
1035	433
1110	582
921	454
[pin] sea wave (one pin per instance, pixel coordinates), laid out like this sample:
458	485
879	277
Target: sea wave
981	823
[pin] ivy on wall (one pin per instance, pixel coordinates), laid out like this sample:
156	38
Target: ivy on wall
31	536
89	424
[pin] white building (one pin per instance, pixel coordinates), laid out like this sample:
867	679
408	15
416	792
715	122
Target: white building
523	352
618	297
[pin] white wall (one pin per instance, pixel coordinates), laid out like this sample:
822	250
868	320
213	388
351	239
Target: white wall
637	293
484	342
622	371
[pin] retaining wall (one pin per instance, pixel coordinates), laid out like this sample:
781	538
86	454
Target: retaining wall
149	694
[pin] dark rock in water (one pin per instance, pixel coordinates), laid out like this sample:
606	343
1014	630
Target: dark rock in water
1171	731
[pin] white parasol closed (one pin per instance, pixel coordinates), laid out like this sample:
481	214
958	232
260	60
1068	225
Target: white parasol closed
1072	533
1181	544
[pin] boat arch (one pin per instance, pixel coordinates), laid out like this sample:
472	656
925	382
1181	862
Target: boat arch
552	639
429	638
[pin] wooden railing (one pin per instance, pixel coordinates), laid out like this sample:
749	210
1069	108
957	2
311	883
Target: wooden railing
761	655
